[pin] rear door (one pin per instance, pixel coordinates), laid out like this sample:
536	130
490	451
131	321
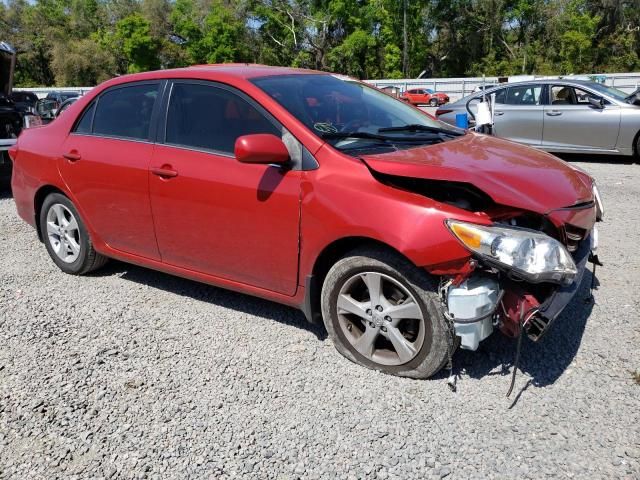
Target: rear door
570	121
105	163
518	114
213	214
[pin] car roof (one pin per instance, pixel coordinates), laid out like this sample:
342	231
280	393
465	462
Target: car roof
214	72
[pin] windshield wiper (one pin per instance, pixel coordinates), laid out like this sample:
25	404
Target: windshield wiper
339	135
373	136
416	127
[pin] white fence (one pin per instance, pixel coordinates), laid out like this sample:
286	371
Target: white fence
42	92
459	87
454	87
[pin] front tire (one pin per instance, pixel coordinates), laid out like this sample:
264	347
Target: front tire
66	238
433	102
384	313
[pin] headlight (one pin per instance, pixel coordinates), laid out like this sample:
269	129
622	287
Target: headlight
598	200
531	255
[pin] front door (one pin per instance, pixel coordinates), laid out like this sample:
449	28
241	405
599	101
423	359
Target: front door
570	121
105	163
213	214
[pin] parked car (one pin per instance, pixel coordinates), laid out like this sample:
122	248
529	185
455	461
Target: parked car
316	191
66	104
572	116
25	101
62	96
425	96
48	107
13	117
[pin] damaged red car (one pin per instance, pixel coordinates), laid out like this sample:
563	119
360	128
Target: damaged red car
405	236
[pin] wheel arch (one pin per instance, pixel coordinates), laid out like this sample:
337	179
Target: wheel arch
635	147
323	263
38	200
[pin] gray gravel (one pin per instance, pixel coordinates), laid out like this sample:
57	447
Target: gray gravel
131	373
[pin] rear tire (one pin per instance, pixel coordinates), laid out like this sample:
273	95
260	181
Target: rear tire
404	332
66	238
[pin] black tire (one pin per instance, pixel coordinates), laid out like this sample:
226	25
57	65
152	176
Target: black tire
433	102
88	259
433	354
636	149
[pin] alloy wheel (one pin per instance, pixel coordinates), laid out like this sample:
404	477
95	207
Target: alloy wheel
380	318
63	233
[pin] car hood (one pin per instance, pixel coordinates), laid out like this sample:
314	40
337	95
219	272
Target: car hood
510	173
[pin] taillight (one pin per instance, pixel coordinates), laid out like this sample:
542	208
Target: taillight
442	111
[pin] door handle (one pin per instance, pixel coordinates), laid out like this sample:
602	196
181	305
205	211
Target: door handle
164	172
553	113
498	113
72	156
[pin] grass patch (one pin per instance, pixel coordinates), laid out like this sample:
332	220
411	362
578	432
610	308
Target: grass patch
636	376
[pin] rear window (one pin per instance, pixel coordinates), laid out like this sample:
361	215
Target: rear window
524	95
125	111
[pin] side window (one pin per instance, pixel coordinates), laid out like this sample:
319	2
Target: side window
582	97
125	112
211	118
524	95
561	95
501	96
84	125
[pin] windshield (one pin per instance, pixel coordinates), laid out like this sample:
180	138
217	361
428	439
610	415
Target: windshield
612	92
334	108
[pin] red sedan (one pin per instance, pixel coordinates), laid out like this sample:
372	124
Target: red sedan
425	96
398	232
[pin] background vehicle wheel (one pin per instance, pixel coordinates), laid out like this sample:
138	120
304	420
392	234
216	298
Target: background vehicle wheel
636	148
66	237
433	102
383	312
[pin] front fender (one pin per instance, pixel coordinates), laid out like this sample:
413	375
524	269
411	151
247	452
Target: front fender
352	203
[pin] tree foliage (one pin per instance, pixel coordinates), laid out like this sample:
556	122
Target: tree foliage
63	42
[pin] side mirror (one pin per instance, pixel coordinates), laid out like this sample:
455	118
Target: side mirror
261	148
597	102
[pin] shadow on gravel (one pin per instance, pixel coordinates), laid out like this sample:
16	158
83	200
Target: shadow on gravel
580	157
544	361
5	192
207	293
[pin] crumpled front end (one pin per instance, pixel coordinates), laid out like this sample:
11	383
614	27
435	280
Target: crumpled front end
495	295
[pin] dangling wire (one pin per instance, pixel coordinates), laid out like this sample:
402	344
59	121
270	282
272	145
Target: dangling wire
516	360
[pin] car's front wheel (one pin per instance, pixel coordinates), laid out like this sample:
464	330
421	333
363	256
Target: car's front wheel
433	102
66	238
384	313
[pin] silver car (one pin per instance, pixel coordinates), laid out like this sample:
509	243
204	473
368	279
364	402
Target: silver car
571	116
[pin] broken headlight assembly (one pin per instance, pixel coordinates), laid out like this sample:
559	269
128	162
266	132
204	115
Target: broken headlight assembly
527	254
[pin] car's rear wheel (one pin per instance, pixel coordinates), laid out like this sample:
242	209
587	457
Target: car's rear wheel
66	238
384	313
433	102
636	148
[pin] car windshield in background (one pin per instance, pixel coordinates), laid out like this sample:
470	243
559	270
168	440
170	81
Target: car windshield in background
612	92
352	115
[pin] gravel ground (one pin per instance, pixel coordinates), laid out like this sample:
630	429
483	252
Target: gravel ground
131	373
